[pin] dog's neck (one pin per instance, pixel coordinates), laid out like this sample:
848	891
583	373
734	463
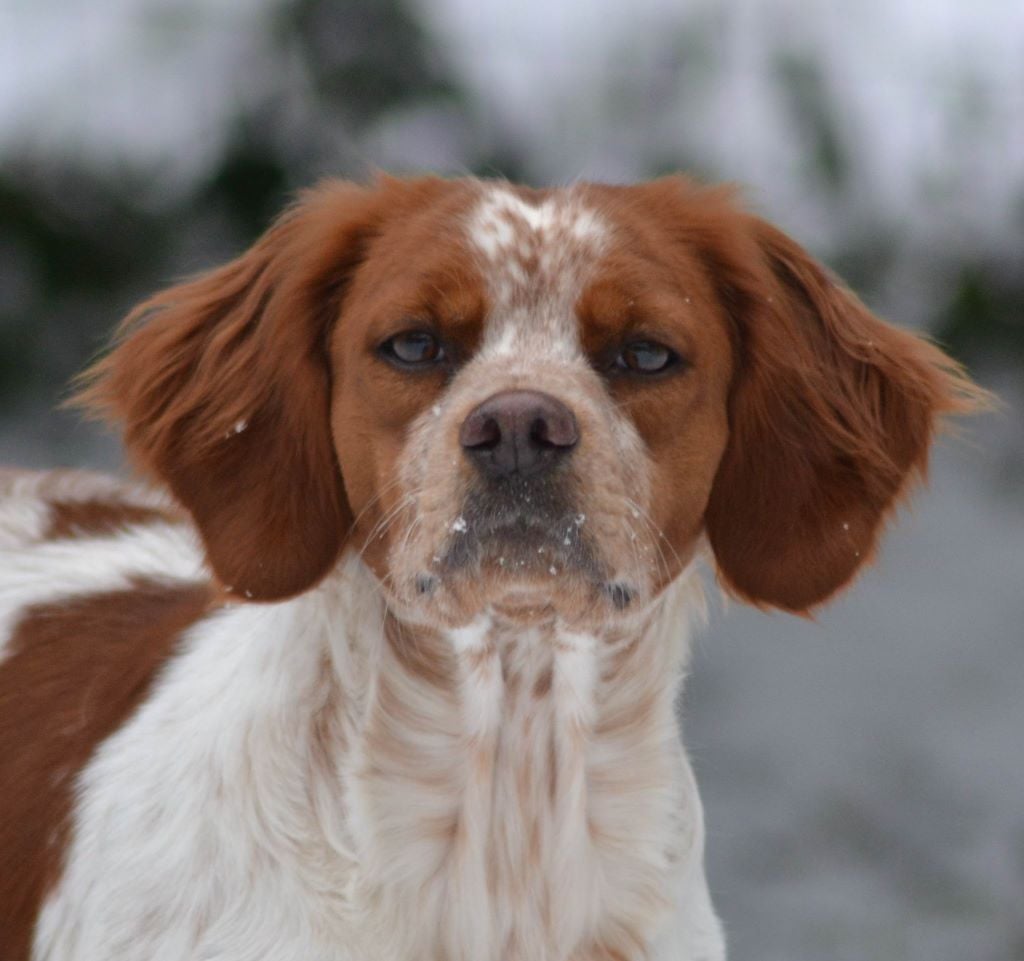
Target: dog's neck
511	781
502	793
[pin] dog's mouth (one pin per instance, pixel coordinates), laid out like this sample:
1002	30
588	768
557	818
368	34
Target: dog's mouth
520	530
523	544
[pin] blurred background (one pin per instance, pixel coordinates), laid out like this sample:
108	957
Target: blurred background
863	773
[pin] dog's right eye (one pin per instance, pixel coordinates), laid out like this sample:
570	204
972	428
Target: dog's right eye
645	357
413	348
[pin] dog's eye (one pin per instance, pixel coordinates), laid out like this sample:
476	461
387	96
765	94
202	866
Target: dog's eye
645	357
413	348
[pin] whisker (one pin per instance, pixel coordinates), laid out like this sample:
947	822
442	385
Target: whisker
382	526
658	536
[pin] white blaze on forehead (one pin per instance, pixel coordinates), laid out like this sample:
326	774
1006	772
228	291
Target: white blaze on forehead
536	258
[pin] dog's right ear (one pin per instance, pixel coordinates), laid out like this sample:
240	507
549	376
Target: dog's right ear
222	386
832	415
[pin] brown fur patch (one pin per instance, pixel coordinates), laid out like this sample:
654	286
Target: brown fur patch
75	671
98	518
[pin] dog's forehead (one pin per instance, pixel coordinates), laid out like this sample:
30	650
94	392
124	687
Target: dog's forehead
536	257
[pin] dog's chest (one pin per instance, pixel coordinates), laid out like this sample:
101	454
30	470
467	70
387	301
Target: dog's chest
519	803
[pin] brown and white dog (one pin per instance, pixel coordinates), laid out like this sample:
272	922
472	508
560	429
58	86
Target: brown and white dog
390	674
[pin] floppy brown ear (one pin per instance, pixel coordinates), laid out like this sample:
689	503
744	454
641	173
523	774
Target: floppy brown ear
832	414
222	386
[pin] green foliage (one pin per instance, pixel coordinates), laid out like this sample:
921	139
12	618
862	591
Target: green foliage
365	57
72	246
802	84
984	321
249	185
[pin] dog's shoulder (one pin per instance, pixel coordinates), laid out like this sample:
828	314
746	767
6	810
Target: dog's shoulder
99	579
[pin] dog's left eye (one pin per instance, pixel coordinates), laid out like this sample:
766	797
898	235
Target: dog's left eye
645	357
413	348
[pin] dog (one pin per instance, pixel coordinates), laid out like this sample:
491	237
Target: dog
383	666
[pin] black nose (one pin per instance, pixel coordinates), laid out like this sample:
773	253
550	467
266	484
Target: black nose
520	432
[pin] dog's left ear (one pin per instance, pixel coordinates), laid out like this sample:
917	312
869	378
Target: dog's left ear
832	413
222	385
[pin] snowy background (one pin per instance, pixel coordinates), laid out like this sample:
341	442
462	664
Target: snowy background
863	773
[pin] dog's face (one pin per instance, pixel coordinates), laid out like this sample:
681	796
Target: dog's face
536	400
533	415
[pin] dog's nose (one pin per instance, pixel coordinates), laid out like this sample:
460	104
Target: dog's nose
522	432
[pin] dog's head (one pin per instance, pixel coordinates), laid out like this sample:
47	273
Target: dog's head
539	400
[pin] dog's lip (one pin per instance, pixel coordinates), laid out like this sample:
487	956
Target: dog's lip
533	529
527	544
562	526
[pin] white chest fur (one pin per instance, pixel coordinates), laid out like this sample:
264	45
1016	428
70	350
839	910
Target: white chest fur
294	790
